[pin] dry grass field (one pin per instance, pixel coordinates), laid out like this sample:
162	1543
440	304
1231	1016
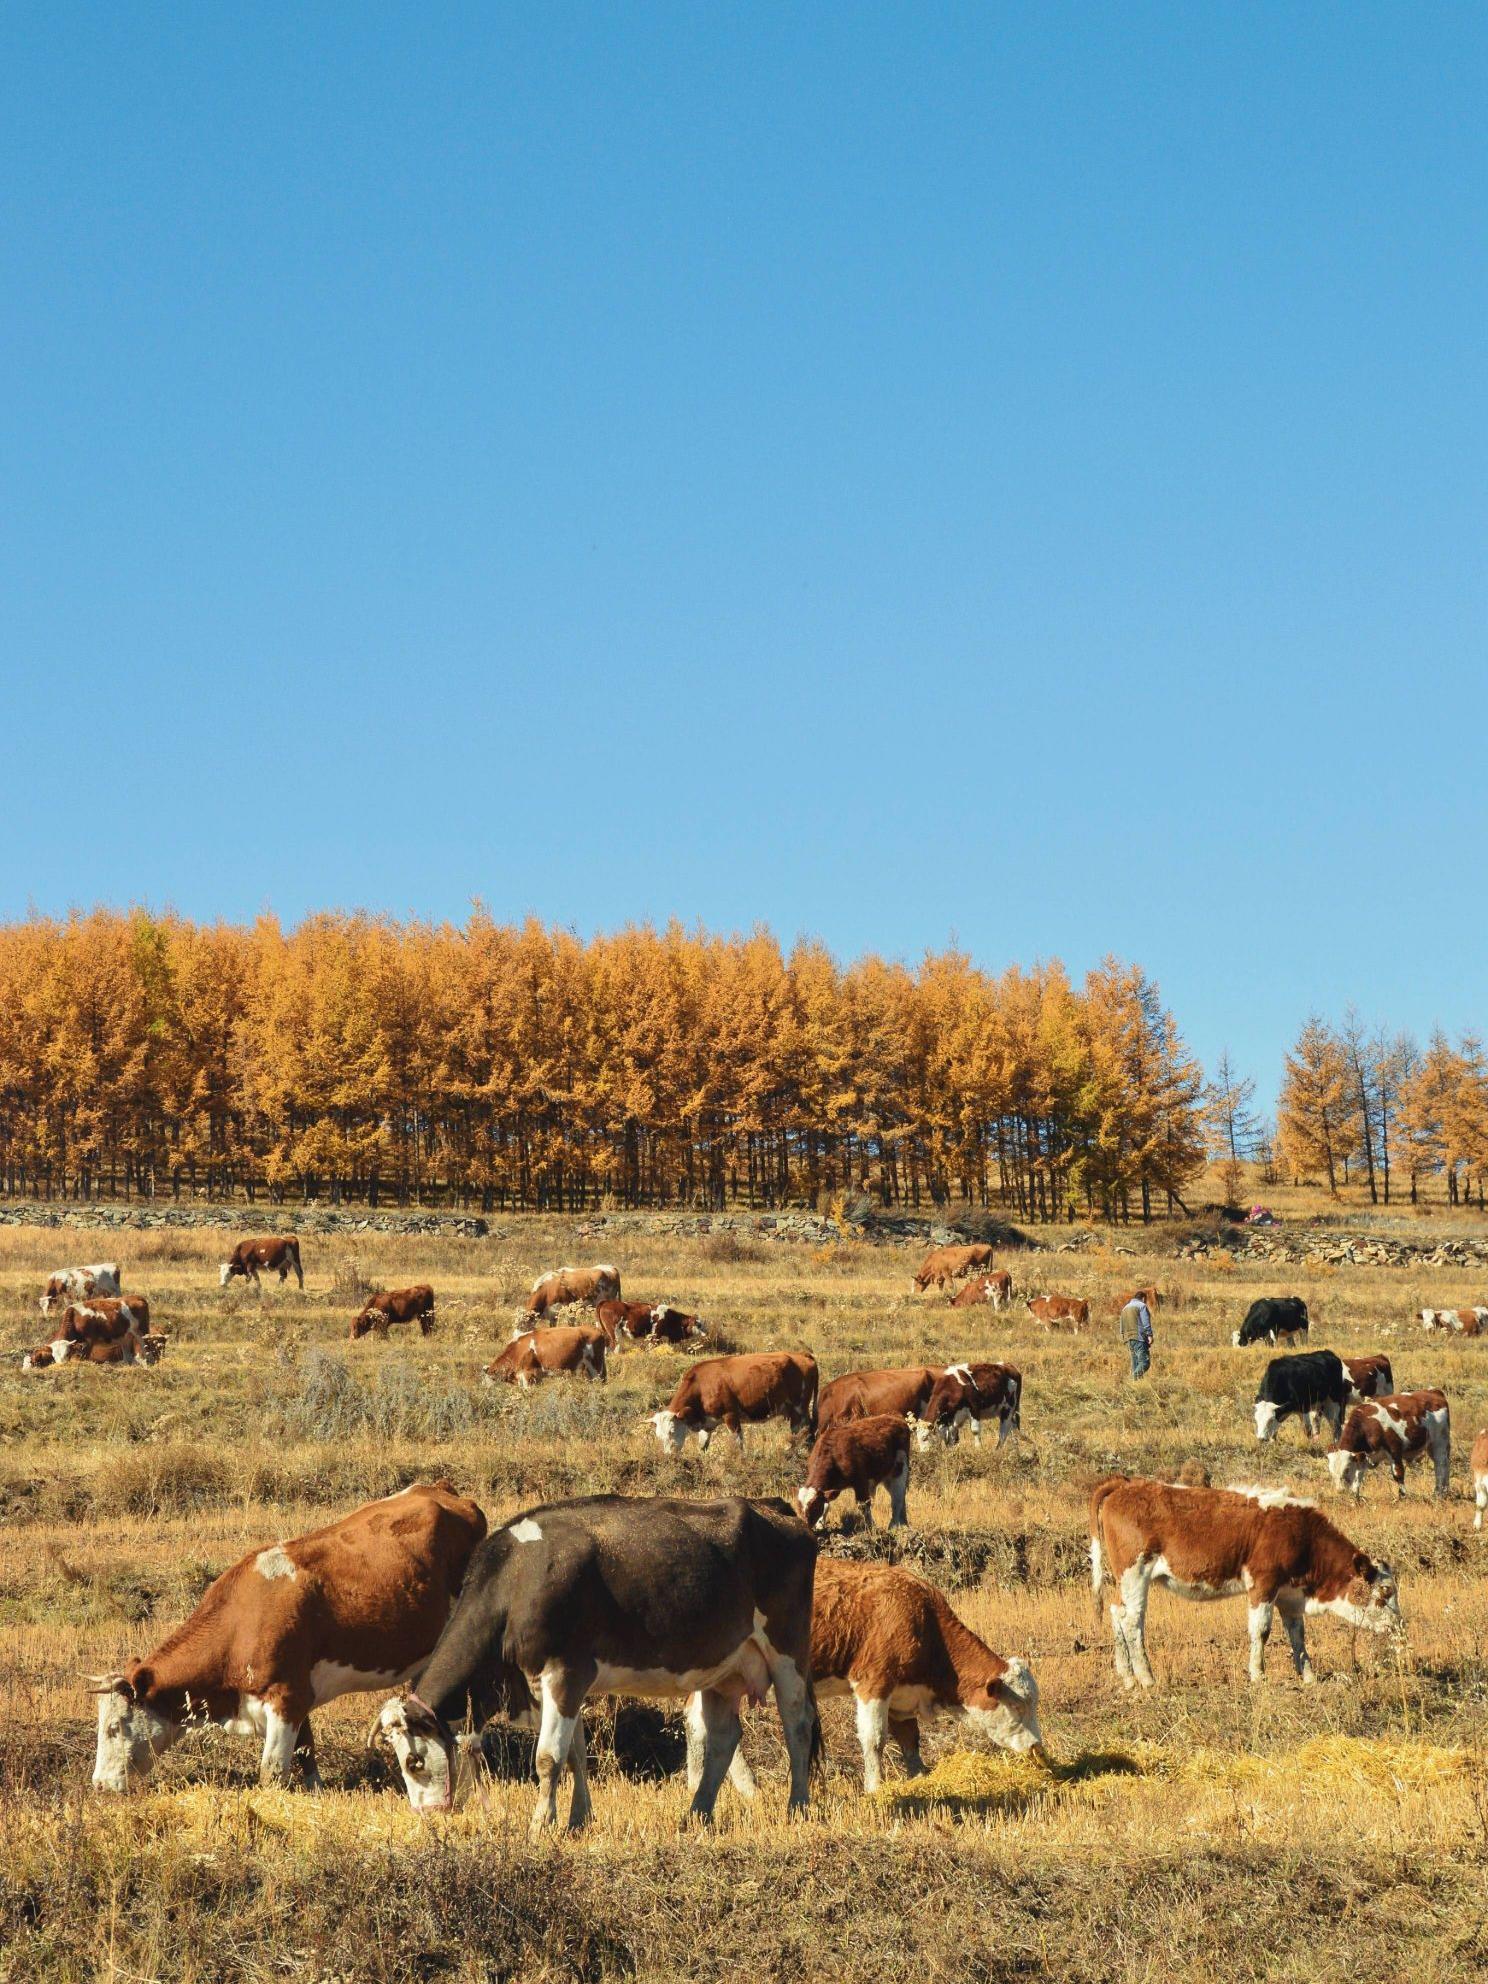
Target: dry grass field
1207	1829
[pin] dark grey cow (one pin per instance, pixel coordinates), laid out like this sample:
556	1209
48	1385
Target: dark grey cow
1313	1386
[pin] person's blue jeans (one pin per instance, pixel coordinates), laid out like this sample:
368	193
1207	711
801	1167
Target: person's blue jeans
1141	1356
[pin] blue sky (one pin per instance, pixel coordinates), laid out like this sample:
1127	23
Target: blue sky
899	473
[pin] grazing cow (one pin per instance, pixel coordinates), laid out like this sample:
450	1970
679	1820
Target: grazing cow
561	1285
356	1605
650	1322
1270	1317
1283	1554
80	1284
1458	1322
1399	1427
650	1596
1052	1309
994	1288
861	1394
892	1642
1312	1385
861	1454
278	1254
533	1355
396	1305
1369	1377
1478	1466
965	1395
1151	1296
728	1391
947	1264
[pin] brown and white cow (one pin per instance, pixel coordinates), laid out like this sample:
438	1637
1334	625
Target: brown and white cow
108	1322
533	1355
1051	1310
733	1391
1478	1468
1282	1554
1390	1431
127	1349
1456	1322
965	1395
860	1394
356	1605
1151	1296
274	1254
943	1265
892	1642
863	1455
116	1312
80	1284
1369	1377
562	1285
647	1322
396	1305
996	1289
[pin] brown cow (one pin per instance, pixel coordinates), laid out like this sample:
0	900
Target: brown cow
126	1349
1369	1377
861	1454
1052	1309
1399	1427
562	1285
1456	1322
81	1284
108	1321
277	1254
356	1605
1151	1296
396	1305
994	1288
946	1264
117	1312
1478	1467
965	1395
860	1394
649	1322
533	1355
1282	1554
728	1391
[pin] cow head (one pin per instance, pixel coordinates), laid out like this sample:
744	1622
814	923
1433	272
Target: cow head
1005	1711
151	1349
1347	1470
225	1272
367	1320
671	1432
131	1734
1371	1599
924	1432
425	1749
1265	1419
54	1291
813	1506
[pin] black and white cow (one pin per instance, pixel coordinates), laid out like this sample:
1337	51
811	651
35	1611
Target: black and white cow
1313	1385
1270	1317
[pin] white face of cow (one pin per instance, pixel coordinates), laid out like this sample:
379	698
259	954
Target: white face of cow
1265	1420
130	1737
427	1766
813	1505
671	1434
224	1274
1347	1470
923	1432
1007	1712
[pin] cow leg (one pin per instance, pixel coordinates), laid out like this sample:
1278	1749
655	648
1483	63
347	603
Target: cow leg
1294	1618
1441	1456
798	1722
1123	1658
899	1494
562	1702
304	1751
864	1498
1262	1612
1132	1624
741	1777
579	1805
718	1715
873	1733
1397	1468
736	1426
299	1276
904	1731
281	1734
1480	1496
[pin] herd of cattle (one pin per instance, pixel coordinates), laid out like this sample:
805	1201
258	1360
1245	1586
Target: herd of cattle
414	1593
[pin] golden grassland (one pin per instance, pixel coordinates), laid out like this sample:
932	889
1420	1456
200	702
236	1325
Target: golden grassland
1276	1832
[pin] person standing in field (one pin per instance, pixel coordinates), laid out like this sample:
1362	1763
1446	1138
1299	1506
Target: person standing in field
1135	1324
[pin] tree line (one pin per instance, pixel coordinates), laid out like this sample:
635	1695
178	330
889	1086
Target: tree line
359	1058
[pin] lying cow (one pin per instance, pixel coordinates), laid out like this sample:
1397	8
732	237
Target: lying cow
860	1454
943	1265
861	1394
1400	1427
1478	1468
277	1254
1283	1555
563	1285
1270	1317
1312	1385
106	1324
80	1284
1458	1322
356	1605
647	1322
996	1289
965	1395
125	1350
654	1597
728	1391
533	1355
395	1305
1369	1377
1059	1309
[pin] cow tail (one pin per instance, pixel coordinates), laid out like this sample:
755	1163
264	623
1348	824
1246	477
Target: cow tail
811	1420
817	1760
1098	1553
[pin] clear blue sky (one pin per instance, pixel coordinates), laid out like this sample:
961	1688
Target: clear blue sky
891	472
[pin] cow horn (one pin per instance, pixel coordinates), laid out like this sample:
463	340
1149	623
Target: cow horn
376	1739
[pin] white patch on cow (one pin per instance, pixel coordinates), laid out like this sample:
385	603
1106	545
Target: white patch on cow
671	1433
1382	1414
1265	1419
1270	1498
1235	1338
330	1679
275	1562
224	1273
961	1371
604	1267
1160	1572
525	1531
130	1737
60	1350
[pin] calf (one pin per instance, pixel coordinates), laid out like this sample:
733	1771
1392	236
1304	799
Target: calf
1313	1385
1458	1322
649	1596
651	1322
80	1284
275	1254
1283	1555
965	1395
727	1391
861	1454
533	1355
358	1604
81	1350
860	1394
1052	1309
100	1325
1399	1427
1478	1466
1369	1377
396	1305
563	1285
996	1289
946	1264
1270	1317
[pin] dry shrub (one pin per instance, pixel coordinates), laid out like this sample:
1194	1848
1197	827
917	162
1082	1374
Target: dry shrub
159	1480
730	1249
